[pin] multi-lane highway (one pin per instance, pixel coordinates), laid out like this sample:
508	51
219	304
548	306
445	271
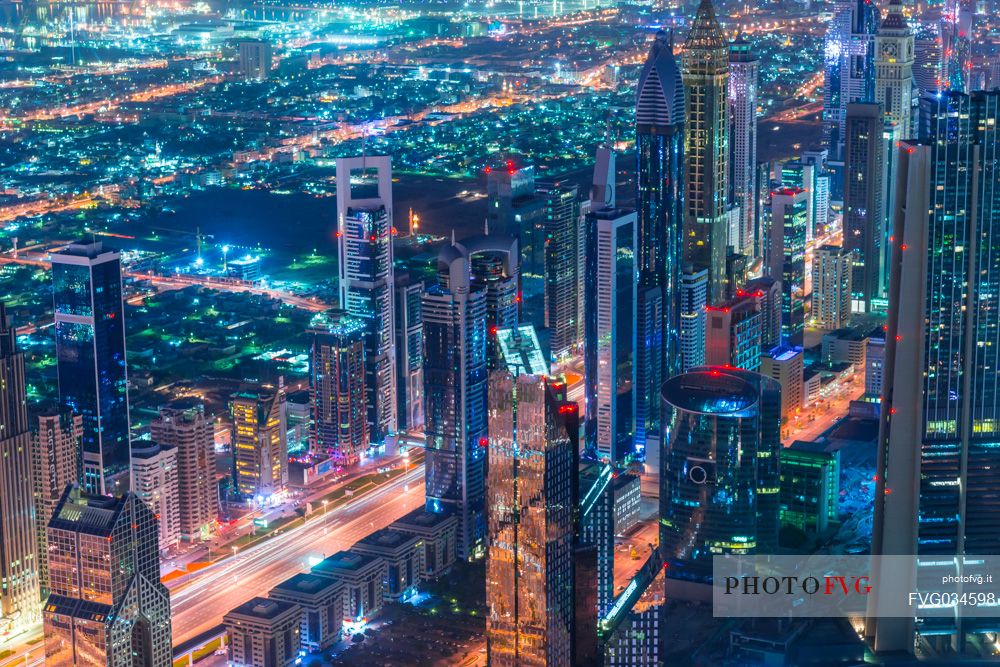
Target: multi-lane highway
200	600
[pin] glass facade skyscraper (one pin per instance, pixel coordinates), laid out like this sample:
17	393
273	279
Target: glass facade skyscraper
659	129
107	605
705	68
849	65
455	382
864	202
937	461
367	285
90	359
532	501
719	469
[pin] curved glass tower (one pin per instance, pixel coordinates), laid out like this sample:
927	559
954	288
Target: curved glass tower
719	468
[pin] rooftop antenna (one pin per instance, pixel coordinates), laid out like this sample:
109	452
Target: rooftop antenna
486	227
453	236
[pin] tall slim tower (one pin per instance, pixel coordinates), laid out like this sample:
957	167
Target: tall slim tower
864	202
533	472
659	128
743	73
107	605
562	230
455	381
90	358
937	458
340	428
19	593
849	72
705	67
609	347
367	285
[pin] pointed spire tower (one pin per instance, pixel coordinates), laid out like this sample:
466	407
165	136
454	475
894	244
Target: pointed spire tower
705	73
659	128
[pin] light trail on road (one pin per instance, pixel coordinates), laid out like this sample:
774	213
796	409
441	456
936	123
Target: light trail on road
199	601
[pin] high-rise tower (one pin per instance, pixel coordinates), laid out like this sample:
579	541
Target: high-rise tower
743	73
864	202
19	593
90	359
894	56
340	428
659	126
705	68
937	458
455	380
718	473
367	286
532	491
107	605
849	70
183	424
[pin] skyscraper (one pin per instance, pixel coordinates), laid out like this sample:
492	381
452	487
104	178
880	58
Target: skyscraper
19	593
367	284
533	465
455	382
340	427
849	70
561	238
409	352
743	72
831	287
107	605
55	463
719	475
659	126
90	359
609	348
864	203
937	456
786	259
183	425
260	443
894	58
928	59
705	67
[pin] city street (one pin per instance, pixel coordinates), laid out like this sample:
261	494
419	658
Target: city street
200	599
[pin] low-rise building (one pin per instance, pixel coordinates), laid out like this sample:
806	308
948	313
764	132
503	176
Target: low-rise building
810	486
627	499
263	633
322	602
784	364
403	554
438	534
362	576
